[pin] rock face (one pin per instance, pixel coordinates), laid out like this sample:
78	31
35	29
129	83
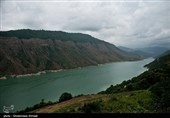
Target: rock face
30	51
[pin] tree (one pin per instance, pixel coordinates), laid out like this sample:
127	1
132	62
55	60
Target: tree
42	102
65	96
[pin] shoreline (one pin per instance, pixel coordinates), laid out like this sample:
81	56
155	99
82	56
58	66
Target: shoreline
30	74
3	77
44	71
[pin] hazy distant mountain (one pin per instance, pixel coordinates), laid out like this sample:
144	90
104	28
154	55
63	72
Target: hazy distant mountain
30	51
155	51
146	52
165	53
135	51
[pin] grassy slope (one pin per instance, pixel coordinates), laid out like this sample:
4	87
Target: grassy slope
125	102
69	104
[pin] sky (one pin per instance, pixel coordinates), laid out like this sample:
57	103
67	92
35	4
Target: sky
130	23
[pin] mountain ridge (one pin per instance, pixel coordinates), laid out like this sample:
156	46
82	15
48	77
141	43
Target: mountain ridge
31	51
48	34
146	52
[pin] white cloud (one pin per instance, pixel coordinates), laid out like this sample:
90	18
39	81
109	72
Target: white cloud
132	24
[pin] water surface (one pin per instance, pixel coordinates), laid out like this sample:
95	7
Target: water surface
27	91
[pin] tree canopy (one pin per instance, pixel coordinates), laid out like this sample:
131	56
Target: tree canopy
65	96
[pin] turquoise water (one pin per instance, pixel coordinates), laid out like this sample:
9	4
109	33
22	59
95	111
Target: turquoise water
27	91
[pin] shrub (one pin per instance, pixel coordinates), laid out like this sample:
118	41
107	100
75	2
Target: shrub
92	107
65	96
161	92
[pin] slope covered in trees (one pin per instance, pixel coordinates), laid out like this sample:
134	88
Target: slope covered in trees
156	80
44	34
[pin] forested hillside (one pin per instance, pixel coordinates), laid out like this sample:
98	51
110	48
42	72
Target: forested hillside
156	80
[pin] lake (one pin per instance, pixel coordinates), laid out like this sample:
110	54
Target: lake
23	92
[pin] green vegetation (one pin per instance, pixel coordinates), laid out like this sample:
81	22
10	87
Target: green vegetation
92	107
36	106
65	96
156	80
1	56
43	34
130	102
142	82
161	92
161	63
125	102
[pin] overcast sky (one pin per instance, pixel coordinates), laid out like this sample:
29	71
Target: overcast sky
126	23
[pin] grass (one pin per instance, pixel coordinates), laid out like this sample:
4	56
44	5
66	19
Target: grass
129	102
125	102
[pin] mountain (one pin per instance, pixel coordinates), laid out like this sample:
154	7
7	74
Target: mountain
29	51
139	52
162	62
154	51
164	54
146	93
146	52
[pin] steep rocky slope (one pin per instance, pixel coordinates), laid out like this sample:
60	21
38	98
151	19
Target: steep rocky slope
30	51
